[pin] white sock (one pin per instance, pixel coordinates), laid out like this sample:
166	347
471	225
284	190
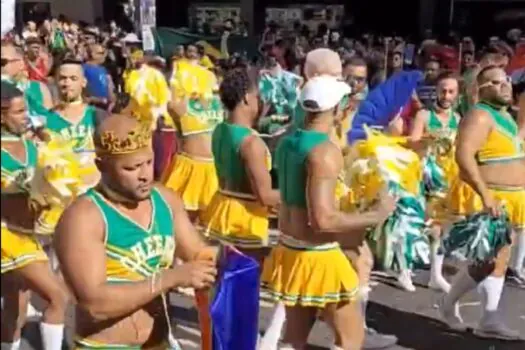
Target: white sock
52	335
436	269
463	283
272	335
492	288
518	252
11	346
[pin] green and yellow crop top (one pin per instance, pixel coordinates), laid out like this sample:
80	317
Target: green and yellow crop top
134	253
291	156
503	143
226	144
17	175
201	118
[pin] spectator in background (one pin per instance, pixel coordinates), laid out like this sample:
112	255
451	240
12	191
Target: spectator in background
30	31
204	60
100	88
37	60
426	91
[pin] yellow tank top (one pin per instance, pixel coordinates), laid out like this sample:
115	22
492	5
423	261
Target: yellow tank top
503	143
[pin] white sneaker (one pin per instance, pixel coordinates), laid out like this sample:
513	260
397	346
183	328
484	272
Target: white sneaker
405	281
439	284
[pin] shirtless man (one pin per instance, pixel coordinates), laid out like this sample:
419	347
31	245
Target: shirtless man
440	119
129	230
308	271
491	159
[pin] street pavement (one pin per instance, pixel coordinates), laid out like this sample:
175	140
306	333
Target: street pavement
413	317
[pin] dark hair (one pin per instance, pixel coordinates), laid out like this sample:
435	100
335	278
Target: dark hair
70	60
447	74
8	93
356	61
434	59
234	87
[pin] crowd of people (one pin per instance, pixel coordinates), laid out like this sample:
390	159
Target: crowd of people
168	160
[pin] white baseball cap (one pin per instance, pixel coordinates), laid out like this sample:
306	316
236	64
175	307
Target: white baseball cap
323	93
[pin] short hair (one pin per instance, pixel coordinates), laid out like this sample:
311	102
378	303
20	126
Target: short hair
235	85
33	40
433	59
356	61
481	75
72	61
447	74
8	93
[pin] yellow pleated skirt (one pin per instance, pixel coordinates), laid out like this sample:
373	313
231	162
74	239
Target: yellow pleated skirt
194	179
19	250
463	200
299	274
232	219
85	344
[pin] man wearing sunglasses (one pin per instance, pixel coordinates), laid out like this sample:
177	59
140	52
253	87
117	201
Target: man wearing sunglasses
14	71
491	158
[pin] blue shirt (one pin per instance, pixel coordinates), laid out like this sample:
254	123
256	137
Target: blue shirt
97	80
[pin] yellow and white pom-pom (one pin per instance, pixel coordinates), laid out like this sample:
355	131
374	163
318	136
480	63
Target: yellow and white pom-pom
192	81
379	160
149	94
59	178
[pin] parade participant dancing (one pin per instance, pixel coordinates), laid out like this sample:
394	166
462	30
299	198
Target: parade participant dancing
128	228
439	122
25	266
238	213
192	173
491	159
308	271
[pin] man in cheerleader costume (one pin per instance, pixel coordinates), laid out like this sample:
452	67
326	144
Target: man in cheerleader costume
438	125
491	159
25	266
129	229
197	110
71	120
308	271
238	213
14	71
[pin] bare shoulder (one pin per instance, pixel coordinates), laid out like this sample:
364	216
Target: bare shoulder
477	118
252	143
170	196
422	114
81	217
326	158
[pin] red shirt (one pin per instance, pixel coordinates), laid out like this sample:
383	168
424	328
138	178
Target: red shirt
38	71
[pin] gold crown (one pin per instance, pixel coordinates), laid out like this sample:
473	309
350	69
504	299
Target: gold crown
138	138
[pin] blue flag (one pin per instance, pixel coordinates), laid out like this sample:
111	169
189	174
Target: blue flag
235	306
383	103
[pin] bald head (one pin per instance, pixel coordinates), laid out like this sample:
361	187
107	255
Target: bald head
322	62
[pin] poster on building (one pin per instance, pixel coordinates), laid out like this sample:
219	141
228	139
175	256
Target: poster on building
310	15
145	20
209	19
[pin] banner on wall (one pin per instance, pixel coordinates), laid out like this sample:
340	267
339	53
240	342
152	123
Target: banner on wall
145	21
311	15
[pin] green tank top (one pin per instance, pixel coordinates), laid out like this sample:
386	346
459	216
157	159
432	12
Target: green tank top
291	164
434	124
134	253
16	175
227	139
81	133
34	92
